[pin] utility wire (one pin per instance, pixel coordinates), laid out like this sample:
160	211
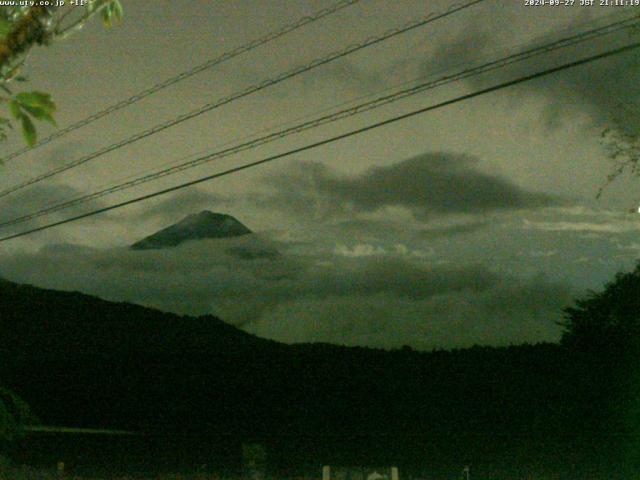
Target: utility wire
335	116
243	93
352	101
188	73
336	138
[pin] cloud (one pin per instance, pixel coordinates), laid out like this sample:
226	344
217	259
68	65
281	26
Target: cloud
455	53
606	89
347	74
31	199
181	204
603	89
501	314
384	233
40	196
584	219
432	183
433	232
601	227
383	300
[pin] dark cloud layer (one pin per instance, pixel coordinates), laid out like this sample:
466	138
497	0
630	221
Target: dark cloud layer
604	89
180	204
455	55
433	183
395	231
380	299
41	196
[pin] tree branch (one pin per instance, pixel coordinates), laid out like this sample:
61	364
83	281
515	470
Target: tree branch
28	31
61	33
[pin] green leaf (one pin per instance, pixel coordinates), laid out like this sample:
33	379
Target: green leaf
118	11
28	130
106	16
112	11
5	27
40	114
37	100
15	110
92	6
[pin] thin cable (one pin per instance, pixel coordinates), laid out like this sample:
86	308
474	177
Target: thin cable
243	93
351	101
333	139
187	74
339	115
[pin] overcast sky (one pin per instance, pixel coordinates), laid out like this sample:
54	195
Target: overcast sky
475	223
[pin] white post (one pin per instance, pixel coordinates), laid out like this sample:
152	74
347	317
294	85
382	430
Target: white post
394	473
326	472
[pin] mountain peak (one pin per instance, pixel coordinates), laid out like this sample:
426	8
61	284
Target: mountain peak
196	226
205	216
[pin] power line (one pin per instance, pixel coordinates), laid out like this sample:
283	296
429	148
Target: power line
189	73
333	139
359	98
335	116
243	93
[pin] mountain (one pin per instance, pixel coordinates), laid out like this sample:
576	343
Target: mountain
81	361
205	224
49	323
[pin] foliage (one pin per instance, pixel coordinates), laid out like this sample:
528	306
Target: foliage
609	319
25	107
623	148
14	414
23	27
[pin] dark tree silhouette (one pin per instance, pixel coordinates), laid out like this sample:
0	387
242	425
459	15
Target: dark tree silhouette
606	320
14	415
603	333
